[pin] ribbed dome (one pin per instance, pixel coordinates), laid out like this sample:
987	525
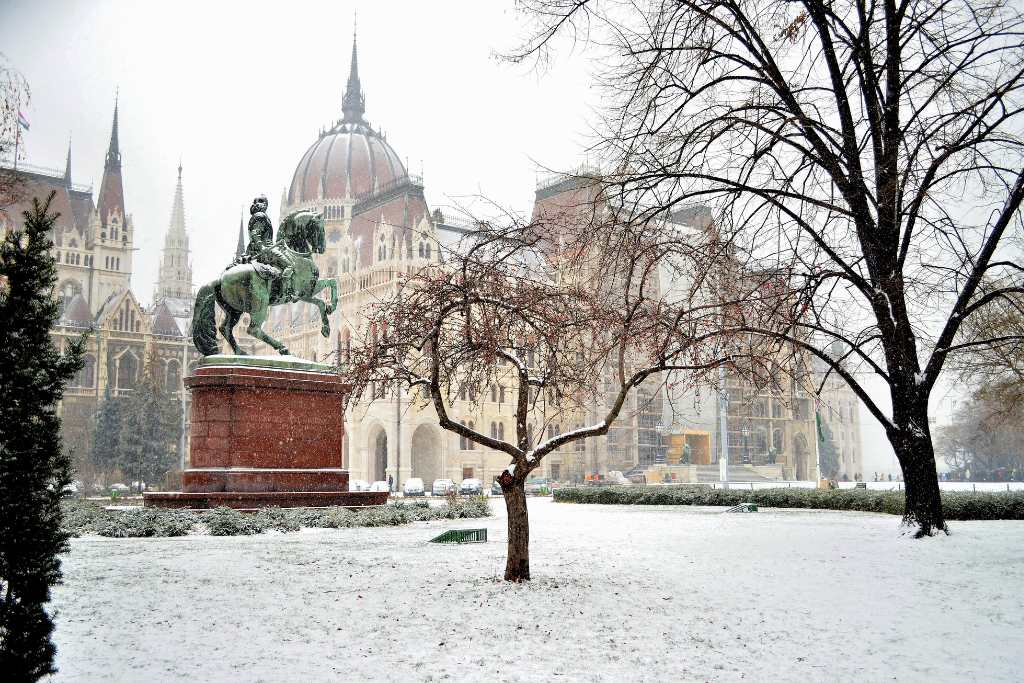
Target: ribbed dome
350	160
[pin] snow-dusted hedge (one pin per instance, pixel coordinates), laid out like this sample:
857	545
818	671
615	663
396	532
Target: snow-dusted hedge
82	518
956	505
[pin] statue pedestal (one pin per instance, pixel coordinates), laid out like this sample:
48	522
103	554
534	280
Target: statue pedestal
266	431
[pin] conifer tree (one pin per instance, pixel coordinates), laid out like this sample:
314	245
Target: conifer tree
105	451
33	467
828	455
149	427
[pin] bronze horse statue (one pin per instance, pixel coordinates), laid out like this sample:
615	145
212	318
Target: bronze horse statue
254	287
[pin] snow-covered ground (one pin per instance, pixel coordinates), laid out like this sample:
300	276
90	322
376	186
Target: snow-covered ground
619	593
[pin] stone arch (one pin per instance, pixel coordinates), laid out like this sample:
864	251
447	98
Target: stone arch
173	375
377	454
127	368
800	455
426	454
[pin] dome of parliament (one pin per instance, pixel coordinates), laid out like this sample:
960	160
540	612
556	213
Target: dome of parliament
349	161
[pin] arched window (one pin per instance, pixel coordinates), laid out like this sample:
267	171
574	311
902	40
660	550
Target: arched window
382	249
428	250
422	251
127	370
494	430
470	446
462	393
494	394
86	375
501	394
173	375
501	431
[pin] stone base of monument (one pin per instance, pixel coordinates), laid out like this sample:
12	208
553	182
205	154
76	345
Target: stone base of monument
266	432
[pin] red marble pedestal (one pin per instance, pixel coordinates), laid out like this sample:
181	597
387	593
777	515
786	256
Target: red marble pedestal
265	432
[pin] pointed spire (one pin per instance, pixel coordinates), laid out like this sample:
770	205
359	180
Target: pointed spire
114	150
353	104
67	166
111	199
177	227
240	247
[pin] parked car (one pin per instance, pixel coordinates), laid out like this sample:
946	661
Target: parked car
413	487
538	486
359	485
471	487
120	488
442	487
379	486
496	489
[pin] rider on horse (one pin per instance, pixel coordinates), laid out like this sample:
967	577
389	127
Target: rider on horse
263	249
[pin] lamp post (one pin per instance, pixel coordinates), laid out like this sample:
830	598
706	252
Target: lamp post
745	432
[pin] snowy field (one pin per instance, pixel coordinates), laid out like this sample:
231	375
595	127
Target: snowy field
619	594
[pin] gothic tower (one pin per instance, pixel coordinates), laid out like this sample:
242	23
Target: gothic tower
175	280
110	228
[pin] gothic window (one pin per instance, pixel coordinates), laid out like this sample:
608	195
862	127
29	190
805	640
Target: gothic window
501	394
127	370
470	445
501	431
382	249
462	394
777	441
494	394
173	375
494	430
86	375
428	249
422	251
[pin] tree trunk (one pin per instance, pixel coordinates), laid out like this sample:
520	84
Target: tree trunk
913	446
517	567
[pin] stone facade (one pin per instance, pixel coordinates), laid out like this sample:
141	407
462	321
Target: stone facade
93	248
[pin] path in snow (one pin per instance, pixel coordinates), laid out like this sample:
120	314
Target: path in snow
619	593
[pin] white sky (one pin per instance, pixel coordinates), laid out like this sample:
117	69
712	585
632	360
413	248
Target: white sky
239	92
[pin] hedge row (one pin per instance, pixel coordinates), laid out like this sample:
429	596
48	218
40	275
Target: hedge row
83	518
957	505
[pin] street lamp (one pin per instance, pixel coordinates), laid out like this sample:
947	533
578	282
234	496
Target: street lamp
745	432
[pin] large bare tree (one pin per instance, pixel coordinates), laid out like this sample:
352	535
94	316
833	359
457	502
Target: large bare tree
870	151
568	330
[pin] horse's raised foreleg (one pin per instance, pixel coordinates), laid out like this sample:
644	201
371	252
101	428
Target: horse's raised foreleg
325	324
228	326
255	329
325	309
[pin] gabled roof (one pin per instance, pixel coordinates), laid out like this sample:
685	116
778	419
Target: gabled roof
76	313
164	323
113	303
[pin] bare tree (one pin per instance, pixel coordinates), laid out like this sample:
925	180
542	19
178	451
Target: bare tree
534	308
871	151
14	96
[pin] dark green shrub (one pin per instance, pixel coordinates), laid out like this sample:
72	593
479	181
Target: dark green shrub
144	523
227	522
957	505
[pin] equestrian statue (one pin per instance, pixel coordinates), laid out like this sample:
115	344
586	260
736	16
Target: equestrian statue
270	273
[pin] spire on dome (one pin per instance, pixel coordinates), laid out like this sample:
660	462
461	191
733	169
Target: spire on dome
240	247
353	104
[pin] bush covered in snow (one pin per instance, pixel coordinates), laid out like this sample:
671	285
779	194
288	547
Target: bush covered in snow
957	505
82	518
144	523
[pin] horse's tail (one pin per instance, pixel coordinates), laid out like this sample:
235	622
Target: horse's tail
204	323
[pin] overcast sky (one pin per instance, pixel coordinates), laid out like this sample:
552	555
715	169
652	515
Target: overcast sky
239	91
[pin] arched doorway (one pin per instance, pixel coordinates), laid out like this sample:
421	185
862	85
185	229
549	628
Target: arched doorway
379	456
426	454
800	453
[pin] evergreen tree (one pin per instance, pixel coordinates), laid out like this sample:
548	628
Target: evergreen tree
33	467
150	427
105	451
828	454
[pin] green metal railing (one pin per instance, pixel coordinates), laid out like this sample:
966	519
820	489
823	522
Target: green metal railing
461	536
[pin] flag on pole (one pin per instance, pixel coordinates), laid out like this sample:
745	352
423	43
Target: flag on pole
22	121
